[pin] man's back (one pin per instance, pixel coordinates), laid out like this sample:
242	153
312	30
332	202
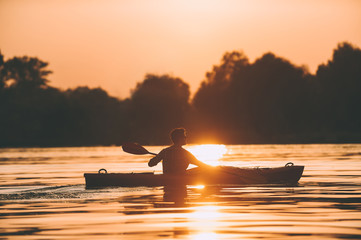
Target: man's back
175	160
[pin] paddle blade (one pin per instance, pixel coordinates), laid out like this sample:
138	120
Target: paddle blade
134	148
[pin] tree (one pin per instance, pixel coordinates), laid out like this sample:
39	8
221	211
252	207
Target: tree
244	102
211	101
29	108
95	118
2	71
157	105
339	89
26	72
270	98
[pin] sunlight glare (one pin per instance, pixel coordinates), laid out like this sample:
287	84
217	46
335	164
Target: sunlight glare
208	153
205	219
197	187
207	212
205	235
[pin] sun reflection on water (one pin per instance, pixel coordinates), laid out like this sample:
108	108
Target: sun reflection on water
205	235
208	153
200	187
205	220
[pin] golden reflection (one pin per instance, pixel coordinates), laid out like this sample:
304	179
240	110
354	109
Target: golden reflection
196	187
208	153
205	235
208	212
205	220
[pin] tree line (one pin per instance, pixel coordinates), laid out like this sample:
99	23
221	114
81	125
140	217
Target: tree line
269	100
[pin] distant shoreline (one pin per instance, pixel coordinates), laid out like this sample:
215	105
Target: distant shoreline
300	142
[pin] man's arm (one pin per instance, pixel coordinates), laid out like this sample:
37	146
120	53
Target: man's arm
154	161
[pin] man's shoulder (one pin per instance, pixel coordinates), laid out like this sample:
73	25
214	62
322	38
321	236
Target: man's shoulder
175	149
165	150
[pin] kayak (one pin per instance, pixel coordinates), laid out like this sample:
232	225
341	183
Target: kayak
222	175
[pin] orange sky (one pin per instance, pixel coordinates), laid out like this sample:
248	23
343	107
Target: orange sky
114	43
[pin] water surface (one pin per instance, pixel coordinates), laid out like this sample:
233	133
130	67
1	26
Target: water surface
43	196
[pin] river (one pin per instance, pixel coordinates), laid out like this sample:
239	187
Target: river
43	196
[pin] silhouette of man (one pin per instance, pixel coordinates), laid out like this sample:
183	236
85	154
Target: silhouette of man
175	158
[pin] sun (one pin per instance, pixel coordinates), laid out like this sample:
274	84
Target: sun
208	153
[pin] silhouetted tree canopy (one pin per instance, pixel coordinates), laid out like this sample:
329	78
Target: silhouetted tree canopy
95	118
340	90
158	104
269	97
240	100
211	101
31	116
270	100
2	71
26	72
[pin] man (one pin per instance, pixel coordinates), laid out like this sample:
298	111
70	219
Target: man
175	158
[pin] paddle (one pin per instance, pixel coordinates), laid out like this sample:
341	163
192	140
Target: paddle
135	148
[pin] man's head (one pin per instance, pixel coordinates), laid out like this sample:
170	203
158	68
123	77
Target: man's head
178	136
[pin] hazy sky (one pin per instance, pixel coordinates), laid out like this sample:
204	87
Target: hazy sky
114	43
